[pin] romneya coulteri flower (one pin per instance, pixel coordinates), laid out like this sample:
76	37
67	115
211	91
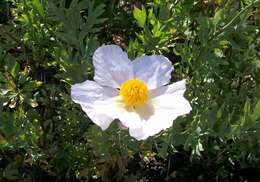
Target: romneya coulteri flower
137	93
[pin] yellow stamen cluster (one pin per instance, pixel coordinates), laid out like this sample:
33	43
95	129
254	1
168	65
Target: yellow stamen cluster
134	92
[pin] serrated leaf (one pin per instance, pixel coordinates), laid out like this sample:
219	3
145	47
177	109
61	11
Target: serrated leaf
140	16
152	18
93	18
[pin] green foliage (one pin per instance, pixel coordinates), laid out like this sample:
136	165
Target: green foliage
140	16
45	46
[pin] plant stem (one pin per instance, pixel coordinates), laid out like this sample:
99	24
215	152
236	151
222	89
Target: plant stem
237	15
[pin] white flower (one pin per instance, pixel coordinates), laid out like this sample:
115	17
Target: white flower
135	92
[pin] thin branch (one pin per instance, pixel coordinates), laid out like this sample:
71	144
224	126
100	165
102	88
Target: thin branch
237	15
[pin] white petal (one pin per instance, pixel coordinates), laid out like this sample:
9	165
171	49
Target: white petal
154	70
103	105
89	94
177	87
114	108
112	66
161	120
168	103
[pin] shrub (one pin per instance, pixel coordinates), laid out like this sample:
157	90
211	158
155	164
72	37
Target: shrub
45	46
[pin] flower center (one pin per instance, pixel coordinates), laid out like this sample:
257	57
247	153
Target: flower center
134	92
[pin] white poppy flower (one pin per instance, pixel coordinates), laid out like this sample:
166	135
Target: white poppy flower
135	92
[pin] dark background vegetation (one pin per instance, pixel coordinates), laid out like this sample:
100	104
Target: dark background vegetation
45	46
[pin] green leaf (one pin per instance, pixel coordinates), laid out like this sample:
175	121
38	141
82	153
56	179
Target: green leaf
256	113
93	18
15	69
11	172
218	17
164	13
12	65
140	16
152	18
130	178
37	4
163	149
2	78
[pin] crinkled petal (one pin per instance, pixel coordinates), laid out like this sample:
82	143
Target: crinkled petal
115	108
103	105
177	87
112	66
90	95
168	103
161	120
154	70
134	117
